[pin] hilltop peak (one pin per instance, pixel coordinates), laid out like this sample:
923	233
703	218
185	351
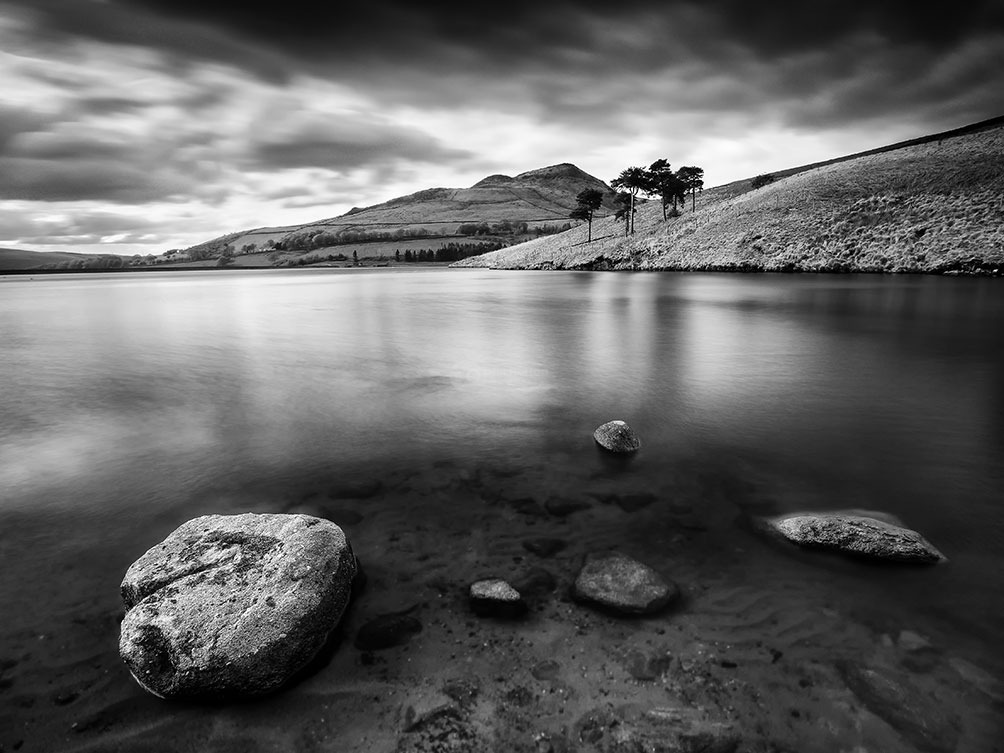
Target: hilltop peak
493	180
563	171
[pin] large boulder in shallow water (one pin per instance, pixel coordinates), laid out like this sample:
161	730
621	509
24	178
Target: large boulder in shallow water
616	436
620	584
232	606
854	534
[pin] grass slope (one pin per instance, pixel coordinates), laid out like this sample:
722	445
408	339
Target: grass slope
933	205
20	258
538	197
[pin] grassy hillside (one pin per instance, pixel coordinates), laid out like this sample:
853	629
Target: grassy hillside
541	198
15	259
933	205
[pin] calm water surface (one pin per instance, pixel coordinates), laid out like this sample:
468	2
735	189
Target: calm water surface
132	402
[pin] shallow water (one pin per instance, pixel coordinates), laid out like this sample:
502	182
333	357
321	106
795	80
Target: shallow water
135	401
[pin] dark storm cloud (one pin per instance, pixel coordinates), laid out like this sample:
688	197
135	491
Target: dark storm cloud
182	36
401	28
508	33
66	162
805	64
61	179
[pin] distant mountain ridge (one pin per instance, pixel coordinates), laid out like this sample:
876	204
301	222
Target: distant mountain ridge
541	197
19	259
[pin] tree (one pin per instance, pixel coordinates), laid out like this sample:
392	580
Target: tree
587	202
693	179
355	258
634	179
397	256
625	208
762	180
665	184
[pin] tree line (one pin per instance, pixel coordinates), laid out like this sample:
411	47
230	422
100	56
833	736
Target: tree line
658	180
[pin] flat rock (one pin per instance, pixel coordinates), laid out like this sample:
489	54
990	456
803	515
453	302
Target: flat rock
854	534
494	597
618	583
233	606
616	436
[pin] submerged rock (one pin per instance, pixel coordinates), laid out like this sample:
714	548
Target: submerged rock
918	717
232	606
854	534
616	436
494	597
616	582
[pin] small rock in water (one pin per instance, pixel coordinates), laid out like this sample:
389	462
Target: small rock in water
388	630
854	534
233	606
616	436
548	669
623	585
545	547
494	597
911	641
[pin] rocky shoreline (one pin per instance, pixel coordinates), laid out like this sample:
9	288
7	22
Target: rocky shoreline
570	650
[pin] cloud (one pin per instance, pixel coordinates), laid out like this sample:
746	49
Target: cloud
343	142
74	225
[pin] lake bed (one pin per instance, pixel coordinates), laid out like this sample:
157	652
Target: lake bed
434	414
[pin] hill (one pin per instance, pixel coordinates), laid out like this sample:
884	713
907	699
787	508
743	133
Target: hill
497	209
928	205
16	259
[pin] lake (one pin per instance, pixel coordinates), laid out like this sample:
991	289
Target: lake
460	402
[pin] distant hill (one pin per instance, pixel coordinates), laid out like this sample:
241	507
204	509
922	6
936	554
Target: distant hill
928	205
497	209
14	259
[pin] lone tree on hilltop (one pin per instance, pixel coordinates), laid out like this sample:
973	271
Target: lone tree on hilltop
587	202
665	184
693	179
634	179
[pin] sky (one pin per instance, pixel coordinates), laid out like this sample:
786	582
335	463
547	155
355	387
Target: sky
137	126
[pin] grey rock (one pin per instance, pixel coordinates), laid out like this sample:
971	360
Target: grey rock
616	436
616	582
854	534
494	597
232	606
